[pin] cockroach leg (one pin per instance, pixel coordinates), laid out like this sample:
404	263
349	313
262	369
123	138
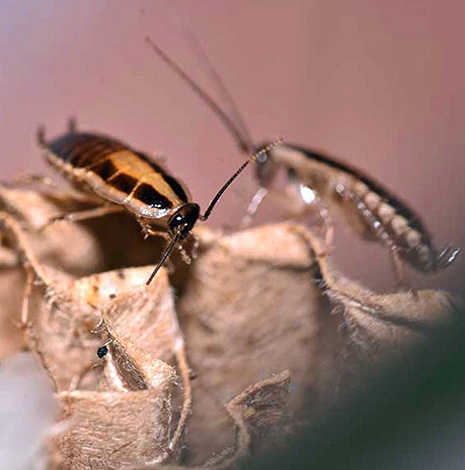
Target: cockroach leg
306	202
98	327
184	255
311	202
375	225
150	231
253	206
27	296
195	246
49	188
399	271
30	179
328	226
447	256
24	324
93	213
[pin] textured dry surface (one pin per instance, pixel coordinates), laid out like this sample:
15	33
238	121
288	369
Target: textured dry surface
212	363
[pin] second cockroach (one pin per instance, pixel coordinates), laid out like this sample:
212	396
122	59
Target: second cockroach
116	177
373	211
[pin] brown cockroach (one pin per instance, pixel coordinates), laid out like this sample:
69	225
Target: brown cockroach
117	177
373	211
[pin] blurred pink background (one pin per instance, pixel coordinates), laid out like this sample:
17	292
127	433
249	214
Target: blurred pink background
380	84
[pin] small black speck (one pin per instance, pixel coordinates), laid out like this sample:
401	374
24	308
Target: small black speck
112	296
102	352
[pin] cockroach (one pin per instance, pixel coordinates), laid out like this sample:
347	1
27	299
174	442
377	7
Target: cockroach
373	211
116	178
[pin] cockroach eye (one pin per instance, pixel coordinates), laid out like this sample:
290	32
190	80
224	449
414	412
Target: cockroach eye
262	158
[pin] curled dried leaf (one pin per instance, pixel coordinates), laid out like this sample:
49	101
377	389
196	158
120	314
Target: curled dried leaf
261	408
380	325
68	247
131	413
264	300
252	304
113	430
259	411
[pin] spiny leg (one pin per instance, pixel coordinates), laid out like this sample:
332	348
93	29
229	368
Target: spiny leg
375	225
446	257
328	226
195	246
253	206
24	324
184	254
33	178
402	280
49	188
150	231
313	202
85	214
302	201
27	296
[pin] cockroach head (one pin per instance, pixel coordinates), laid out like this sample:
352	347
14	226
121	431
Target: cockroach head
184	219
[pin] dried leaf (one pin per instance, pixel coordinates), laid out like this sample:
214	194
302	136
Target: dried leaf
264	300
381	325
132	418
260	409
252	304
68	247
130	421
257	412
110	429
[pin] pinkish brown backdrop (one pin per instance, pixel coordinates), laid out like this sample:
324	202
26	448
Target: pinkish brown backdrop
379	83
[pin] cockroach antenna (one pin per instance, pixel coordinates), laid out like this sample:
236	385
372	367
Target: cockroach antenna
237	129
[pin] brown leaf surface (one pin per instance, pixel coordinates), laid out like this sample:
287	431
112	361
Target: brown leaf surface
130	411
259	412
128	418
68	247
261	409
252	304
110	429
75	249
264	300
124	425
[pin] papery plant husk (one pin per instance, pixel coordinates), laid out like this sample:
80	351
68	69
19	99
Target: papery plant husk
215	361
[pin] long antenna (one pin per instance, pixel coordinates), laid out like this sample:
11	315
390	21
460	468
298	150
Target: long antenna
165	255
242	141
216	79
253	158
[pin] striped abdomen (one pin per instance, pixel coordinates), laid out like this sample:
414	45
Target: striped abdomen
369	207
113	171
